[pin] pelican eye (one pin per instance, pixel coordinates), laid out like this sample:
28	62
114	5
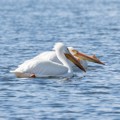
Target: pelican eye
68	50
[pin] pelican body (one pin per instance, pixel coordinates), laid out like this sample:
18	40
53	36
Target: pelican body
46	68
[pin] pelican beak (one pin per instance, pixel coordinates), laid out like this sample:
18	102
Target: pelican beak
87	57
76	62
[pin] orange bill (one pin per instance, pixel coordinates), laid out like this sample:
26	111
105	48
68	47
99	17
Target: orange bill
87	57
76	62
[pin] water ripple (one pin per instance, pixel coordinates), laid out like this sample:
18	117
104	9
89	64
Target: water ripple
30	27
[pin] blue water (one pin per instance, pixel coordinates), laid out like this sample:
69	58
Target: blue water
28	27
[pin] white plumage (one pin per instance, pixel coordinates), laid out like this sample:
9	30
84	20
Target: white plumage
51	55
44	67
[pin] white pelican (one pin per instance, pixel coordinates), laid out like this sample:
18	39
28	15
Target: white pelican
51	55
46	68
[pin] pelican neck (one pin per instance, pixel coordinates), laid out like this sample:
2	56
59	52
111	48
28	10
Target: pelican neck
64	61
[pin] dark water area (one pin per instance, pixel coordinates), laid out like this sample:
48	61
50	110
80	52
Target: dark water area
29	27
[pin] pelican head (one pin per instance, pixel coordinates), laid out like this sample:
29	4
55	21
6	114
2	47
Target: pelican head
82	56
63	49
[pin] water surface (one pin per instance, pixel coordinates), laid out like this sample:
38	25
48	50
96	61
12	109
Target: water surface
29	27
